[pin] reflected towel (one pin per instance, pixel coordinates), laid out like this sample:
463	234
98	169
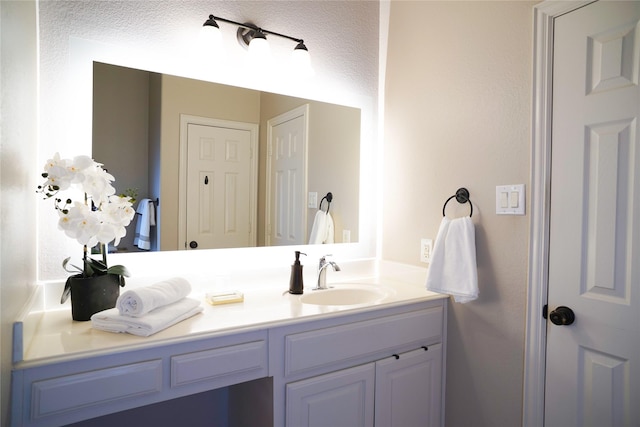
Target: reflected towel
138	302
161	318
322	230
453	267
146	218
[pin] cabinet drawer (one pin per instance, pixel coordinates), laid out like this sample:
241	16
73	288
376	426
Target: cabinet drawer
231	364
72	392
322	347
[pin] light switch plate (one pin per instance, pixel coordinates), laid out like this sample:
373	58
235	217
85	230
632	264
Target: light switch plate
510	199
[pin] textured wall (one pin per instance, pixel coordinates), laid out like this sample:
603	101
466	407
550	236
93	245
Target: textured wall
18	176
457	114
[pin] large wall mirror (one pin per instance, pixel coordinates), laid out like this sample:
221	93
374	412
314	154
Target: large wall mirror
237	167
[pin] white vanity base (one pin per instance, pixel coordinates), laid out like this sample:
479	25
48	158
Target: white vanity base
374	364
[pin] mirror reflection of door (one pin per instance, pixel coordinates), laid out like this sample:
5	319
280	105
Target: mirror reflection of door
220	192
287	178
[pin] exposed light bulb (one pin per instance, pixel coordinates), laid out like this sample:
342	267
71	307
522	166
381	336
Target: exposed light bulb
259	50
301	61
210	37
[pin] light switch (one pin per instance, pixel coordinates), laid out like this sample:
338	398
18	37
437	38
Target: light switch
513	203
504	199
510	199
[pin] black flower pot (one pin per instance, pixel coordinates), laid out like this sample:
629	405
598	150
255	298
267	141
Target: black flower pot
93	294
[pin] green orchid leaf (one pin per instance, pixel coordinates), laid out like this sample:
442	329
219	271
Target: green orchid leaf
94	267
67	289
64	265
118	269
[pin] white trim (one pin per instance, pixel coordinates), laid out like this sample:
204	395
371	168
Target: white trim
536	335
185	120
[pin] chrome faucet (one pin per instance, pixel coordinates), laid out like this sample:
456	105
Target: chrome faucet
322	272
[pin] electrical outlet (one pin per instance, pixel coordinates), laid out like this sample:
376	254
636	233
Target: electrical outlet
346	236
426	249
312	201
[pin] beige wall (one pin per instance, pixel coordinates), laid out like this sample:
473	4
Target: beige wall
457	114
18	174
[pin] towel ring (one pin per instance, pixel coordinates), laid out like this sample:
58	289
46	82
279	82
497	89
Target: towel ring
328	198
462	196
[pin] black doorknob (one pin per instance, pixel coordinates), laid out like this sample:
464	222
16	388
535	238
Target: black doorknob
193	244
562	316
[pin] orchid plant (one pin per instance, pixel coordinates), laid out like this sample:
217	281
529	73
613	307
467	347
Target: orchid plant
99	218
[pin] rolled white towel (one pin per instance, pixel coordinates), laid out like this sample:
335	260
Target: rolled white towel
156	320
138	302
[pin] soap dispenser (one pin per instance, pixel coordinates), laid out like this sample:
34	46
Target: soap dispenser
296	286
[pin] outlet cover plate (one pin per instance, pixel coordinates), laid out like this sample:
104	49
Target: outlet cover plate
426	249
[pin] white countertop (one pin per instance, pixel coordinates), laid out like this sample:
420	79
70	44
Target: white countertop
52	335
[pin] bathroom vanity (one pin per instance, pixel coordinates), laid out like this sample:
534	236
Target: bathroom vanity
379	362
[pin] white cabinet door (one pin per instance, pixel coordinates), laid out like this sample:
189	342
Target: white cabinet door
408	389
339	399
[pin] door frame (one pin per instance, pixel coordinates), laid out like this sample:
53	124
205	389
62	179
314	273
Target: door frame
544	16
185	121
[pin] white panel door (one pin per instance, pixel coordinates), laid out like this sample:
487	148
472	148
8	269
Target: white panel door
593	364
218	188
287	178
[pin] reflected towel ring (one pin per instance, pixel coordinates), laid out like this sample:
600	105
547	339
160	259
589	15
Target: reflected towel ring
462	196
328	198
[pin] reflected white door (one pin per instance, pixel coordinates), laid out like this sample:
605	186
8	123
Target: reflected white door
219	189
287	178
593	364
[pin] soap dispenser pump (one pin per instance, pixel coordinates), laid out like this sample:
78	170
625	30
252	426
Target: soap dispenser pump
296	285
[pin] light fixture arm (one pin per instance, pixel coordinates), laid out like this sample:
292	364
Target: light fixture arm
255	28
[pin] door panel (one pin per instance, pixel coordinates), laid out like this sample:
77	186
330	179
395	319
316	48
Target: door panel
593	365
338	399
409	389
219	187
286	215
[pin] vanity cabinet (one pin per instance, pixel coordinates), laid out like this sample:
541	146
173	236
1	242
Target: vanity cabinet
370	366
342	398
401	390
409	388
379	369
55	394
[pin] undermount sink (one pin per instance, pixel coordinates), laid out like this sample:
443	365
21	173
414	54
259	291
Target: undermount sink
346	294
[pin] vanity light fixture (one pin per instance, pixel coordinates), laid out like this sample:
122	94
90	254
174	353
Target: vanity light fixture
254	38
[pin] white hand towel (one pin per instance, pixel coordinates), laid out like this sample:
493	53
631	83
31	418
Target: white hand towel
138	302
322	230
453	267
161	318
146	218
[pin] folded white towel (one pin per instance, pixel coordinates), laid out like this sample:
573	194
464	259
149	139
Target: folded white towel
161	318
146	218
453	267
322	230
138	302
